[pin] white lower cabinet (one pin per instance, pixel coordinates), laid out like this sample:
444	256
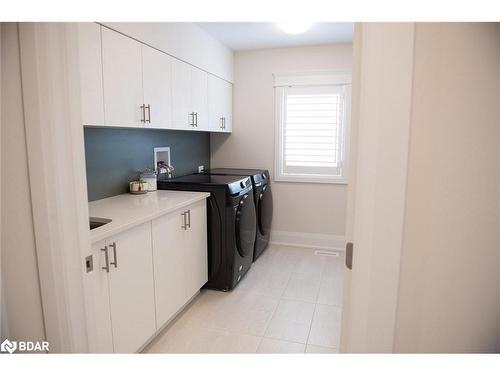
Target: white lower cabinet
168	265
97	302
195	249
180	258
140	278
131	288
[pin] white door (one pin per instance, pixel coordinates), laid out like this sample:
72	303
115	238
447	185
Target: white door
131	288
122	76
97	301
381	119
182	113
91	94
169	274
199	98
157	82
195	248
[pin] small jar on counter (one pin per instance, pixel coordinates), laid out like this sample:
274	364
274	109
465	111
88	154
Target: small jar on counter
150	178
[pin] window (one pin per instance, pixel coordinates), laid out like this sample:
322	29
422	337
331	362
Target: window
312	116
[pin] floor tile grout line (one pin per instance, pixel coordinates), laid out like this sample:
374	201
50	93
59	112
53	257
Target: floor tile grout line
278	298
310	326
277	305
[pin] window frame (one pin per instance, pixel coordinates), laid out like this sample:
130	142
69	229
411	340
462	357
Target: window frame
311	80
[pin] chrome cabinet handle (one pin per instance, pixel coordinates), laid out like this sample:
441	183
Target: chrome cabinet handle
191	123
189	218
196	117
143	107
184	226
221	125
149	113
106	258
115	263
224	122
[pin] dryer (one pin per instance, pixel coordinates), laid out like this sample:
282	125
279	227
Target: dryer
231	224
263	199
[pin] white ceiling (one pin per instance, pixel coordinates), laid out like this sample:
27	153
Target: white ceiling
255	35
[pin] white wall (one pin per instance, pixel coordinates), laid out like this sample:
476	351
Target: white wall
298	207
184	40
21	303
449	298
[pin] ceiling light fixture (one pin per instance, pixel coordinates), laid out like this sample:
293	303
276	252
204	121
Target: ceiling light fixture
294	27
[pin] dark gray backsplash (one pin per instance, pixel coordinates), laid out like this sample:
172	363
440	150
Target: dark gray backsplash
114	156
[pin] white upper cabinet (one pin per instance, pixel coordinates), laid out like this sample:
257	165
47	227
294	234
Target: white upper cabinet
92	97
122	75
227	97
220	104
189	97
182	114
199	98
157	82
125	83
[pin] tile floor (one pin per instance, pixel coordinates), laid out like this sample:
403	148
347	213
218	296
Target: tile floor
289	302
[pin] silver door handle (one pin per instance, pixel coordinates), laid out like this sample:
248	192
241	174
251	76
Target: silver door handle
189	218
115	263
224	122
192	119
196	117
149	112
143	107
221	123
106	259
349	249
184	226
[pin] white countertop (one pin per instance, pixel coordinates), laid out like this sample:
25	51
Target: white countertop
128	210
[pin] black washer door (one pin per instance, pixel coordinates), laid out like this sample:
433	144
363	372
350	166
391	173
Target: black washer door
265	210
245	226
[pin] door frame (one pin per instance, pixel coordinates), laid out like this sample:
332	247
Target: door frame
383	69
56	159
52	109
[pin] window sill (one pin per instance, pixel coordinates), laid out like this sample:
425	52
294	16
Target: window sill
311	180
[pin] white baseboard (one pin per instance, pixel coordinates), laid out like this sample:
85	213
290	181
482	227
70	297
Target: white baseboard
311	240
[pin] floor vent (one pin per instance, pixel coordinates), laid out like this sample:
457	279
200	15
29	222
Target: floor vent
327	253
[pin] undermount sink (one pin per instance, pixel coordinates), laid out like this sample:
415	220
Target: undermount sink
96	222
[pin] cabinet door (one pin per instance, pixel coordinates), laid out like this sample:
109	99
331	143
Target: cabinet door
122	76
169	272
215	106
199	97
96	290
195	249
227	105
220	104
92	96
131	288
181	96
157	82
